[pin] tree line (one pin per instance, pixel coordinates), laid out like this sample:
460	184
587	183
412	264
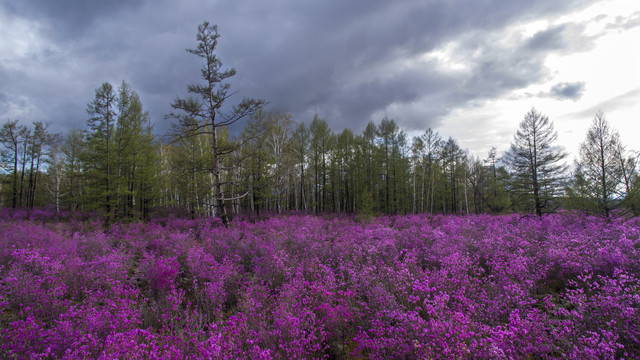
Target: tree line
116	166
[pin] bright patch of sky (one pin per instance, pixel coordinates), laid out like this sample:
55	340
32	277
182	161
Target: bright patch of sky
608	68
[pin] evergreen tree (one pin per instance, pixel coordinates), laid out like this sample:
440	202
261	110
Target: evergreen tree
136	154
99	155
73	183
206	107
497	199
345	171
599	167
372	164
536	164
454	167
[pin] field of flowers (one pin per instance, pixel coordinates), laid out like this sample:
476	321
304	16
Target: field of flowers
303	287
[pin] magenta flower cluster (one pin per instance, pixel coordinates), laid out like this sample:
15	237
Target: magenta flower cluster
303	287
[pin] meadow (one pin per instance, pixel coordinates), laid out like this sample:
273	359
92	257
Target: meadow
305	287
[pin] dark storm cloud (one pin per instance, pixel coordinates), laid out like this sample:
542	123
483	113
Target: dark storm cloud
349	61
68	18
5	104
319	65
3	100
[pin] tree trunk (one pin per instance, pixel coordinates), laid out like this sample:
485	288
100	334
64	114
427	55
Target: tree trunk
30	181
603	179
24	160
216	174
35	180
15	175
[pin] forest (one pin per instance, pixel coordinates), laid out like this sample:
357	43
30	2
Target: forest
116	165
244	233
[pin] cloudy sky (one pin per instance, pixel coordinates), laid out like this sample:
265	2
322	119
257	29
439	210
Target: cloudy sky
467	68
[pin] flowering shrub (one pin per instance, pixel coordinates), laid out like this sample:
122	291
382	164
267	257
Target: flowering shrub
302	287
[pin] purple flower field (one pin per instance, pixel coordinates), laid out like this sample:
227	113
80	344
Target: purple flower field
303	287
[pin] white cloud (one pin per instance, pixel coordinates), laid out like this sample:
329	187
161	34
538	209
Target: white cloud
607	71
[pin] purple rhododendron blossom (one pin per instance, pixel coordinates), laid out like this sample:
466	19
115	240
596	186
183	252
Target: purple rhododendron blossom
303	287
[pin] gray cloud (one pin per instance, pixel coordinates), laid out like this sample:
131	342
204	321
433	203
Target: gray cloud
616	102
4	102
565	91
371	42
69	18
564	39
344	60
550	39
625	23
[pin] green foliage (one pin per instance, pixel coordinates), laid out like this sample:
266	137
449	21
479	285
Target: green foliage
320	145
259	180
605	178
538	168
117	156
498	199
632	198
366	206
599	171
73	185
203	113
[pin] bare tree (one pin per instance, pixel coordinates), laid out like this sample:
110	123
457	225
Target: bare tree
39	149
630	192
11	135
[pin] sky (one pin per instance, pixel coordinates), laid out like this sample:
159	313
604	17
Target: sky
469	69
